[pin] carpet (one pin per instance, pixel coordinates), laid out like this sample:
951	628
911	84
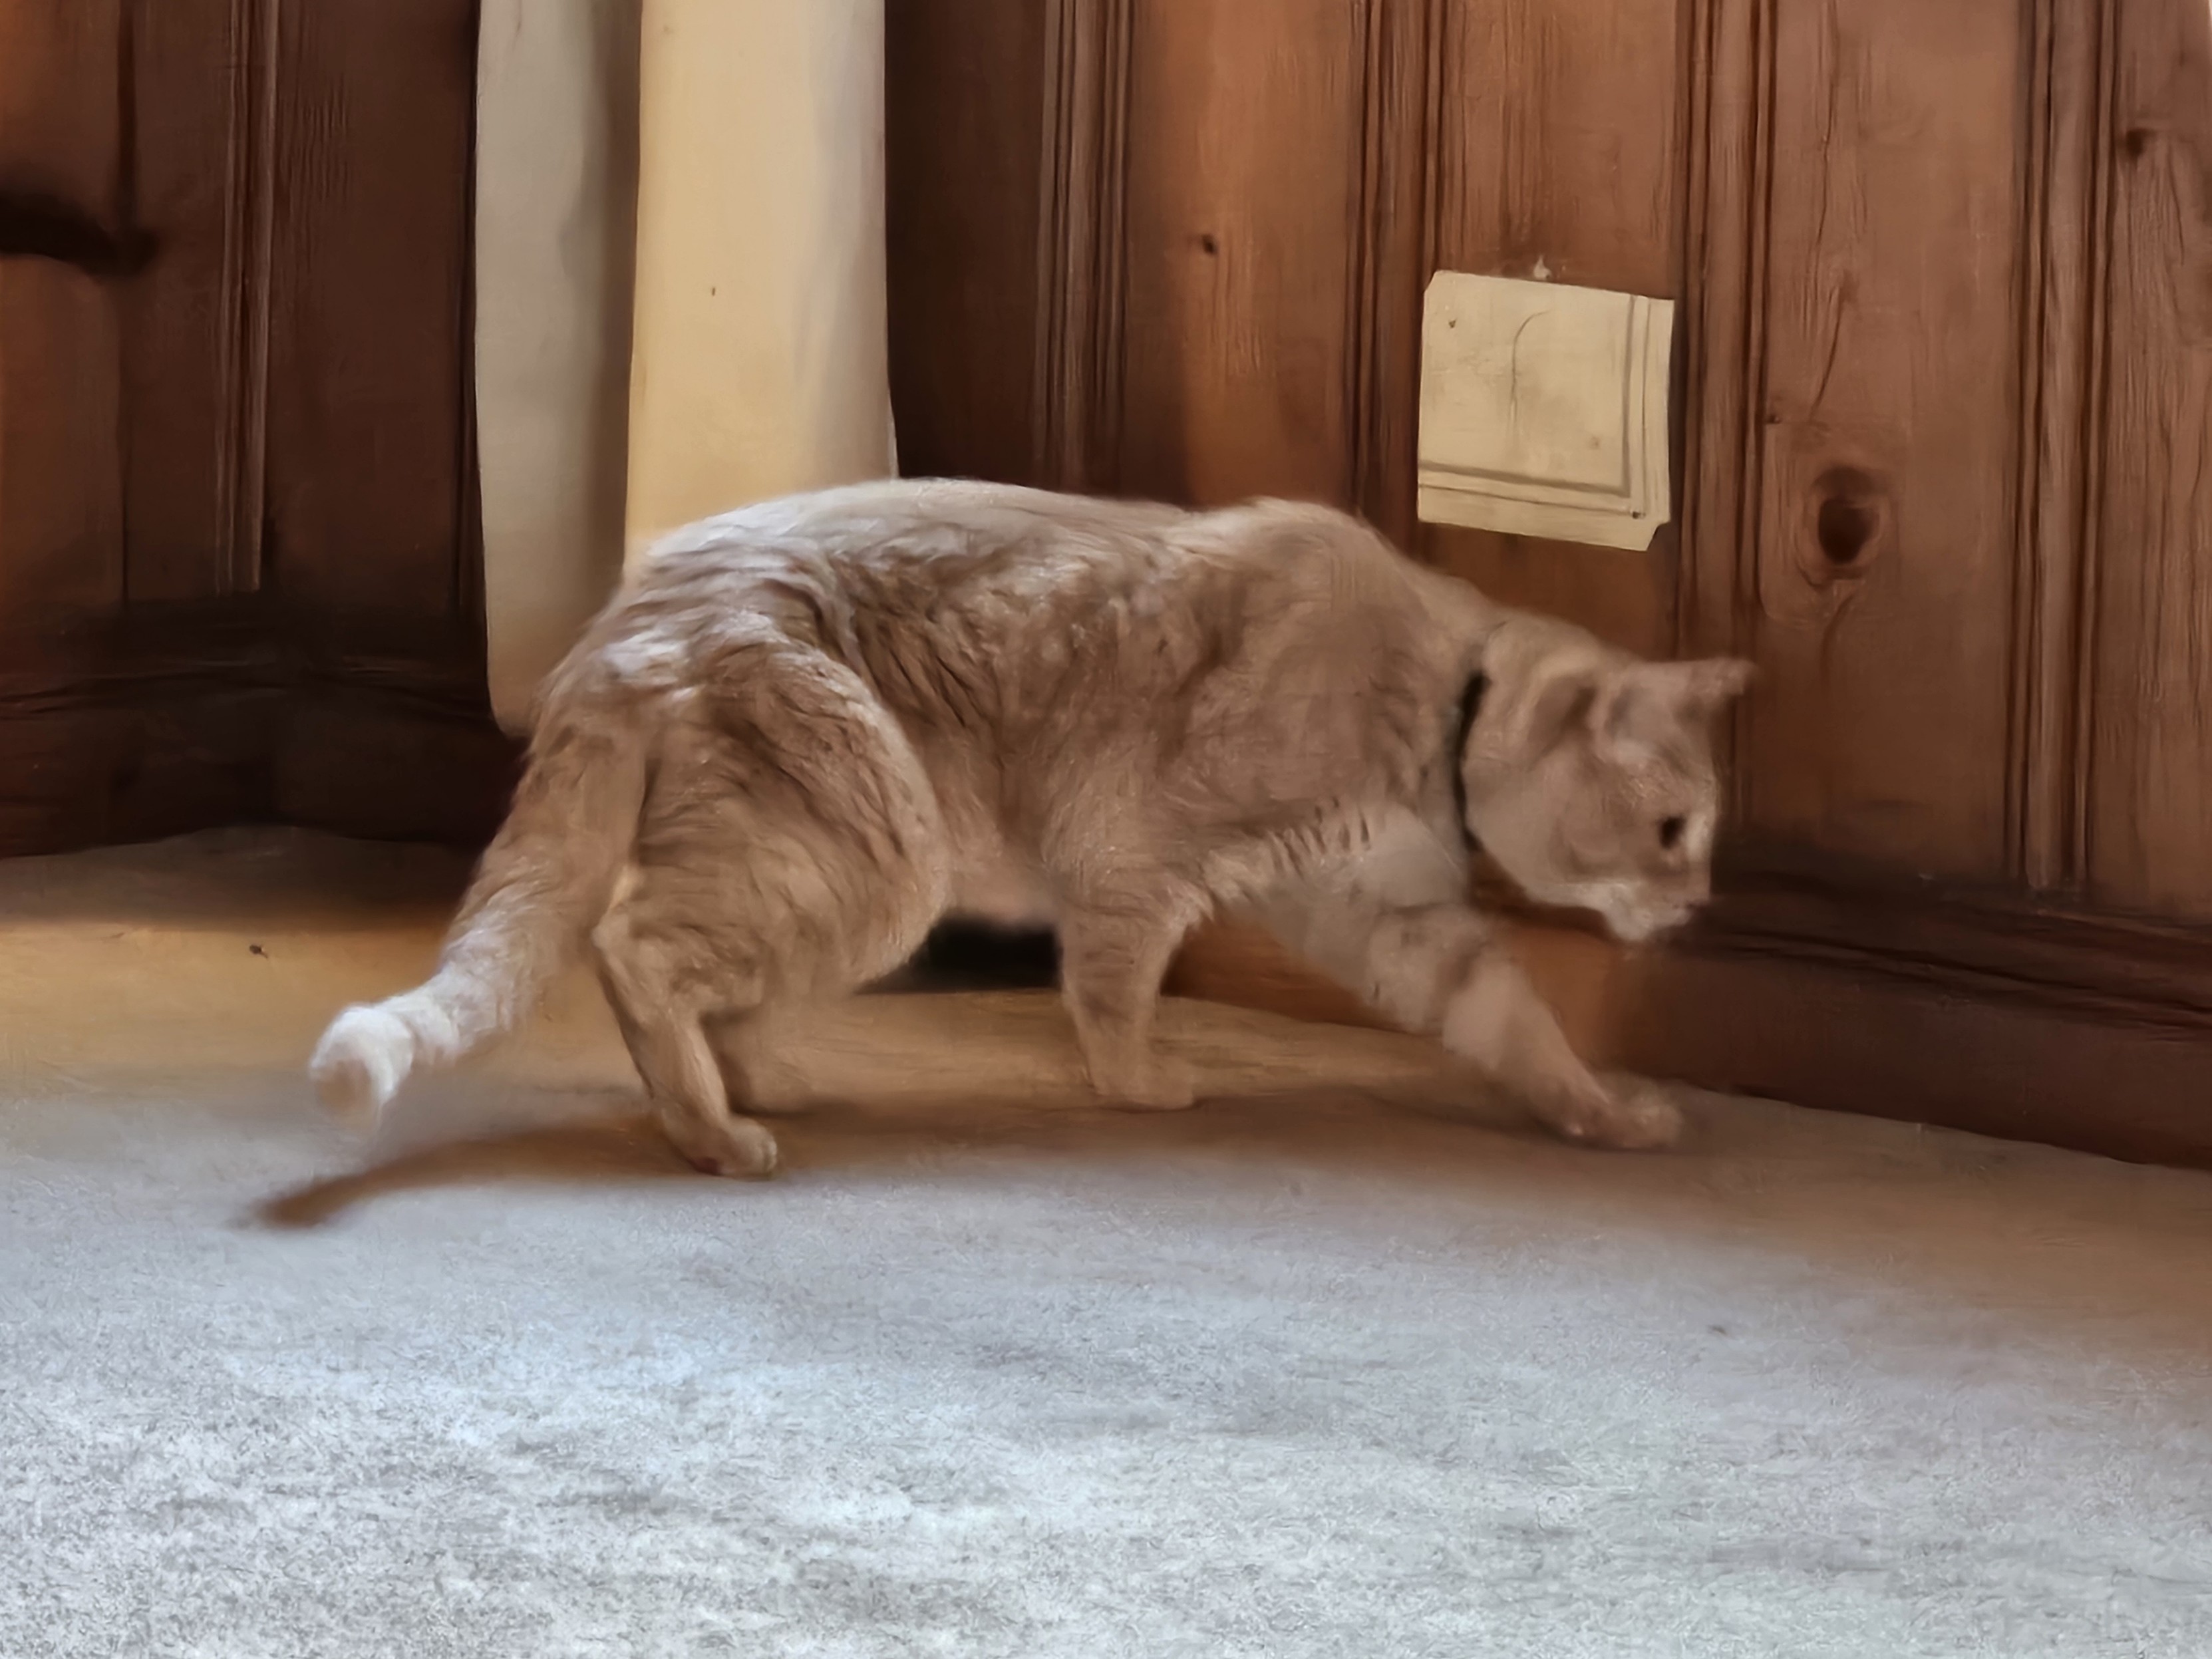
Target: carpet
1345	1361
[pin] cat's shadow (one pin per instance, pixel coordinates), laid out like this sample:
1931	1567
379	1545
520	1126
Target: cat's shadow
626	1147
1973	1223
622	1146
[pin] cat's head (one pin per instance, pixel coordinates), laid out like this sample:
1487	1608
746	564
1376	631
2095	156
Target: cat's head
1589	774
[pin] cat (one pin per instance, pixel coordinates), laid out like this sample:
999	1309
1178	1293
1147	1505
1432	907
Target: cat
805	730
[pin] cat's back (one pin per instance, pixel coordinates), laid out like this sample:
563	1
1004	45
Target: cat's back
944	535
890	523
1045	580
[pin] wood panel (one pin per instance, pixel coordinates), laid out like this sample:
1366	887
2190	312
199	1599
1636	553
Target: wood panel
61	464
1393	239
965	103
59	128
1888	416
367	358
1558	153
1974	350
1945	311
194	150
145	686
61	458
1964	661
1082	263
2091	746
127	340
2150	824
1242	187
2063	334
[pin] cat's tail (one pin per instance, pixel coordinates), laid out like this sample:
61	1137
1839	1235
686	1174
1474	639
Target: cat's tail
545	882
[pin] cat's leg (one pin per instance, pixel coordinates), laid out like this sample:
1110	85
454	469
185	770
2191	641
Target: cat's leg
749	1049
1114	952
1495	1018
1442	969
656	994
699	980
791	850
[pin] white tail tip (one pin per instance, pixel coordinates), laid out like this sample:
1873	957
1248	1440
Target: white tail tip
361	1062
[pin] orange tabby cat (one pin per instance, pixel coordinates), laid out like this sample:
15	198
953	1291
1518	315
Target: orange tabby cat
806	731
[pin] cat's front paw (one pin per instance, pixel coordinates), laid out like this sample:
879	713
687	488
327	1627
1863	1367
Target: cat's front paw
1631	1117
1643	1119
1161	1084
733	1147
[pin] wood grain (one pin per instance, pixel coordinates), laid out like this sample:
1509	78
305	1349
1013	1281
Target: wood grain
61	453
964	84
2063	324
1728	92
1945	375
145	686
61	459
2150	796
197	147
1885	534
1401	97
367	358
1245	154
167	717
59	130
1082	256
130	366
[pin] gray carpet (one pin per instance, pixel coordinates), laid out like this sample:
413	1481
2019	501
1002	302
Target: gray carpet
1314	1370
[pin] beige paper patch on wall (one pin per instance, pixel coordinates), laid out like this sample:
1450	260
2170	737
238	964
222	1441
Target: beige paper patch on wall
759	360
555	244
1544	410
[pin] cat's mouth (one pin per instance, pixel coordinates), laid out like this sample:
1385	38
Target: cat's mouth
1622	910
1635	918
1640	927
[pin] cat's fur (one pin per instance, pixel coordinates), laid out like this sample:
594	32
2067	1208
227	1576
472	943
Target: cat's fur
805	730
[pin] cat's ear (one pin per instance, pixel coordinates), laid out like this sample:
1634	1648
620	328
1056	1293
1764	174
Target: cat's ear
1711	683
1638	703
1556	696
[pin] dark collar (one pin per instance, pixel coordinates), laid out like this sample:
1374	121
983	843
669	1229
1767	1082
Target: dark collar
1470	705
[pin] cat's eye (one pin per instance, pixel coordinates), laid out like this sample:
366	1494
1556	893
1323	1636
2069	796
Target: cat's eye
1670	832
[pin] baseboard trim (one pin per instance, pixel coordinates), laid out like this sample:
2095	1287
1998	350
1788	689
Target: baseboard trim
381	763
1831	1033
2035	1025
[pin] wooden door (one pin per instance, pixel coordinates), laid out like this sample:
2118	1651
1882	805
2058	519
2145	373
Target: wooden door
1945	376
1951	268
239	576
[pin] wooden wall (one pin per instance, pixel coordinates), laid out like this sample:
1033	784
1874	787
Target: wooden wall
1944	377
964	138
1210	285
239	576
1944	380
1947	444
2145	793
1207	284
1560	150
